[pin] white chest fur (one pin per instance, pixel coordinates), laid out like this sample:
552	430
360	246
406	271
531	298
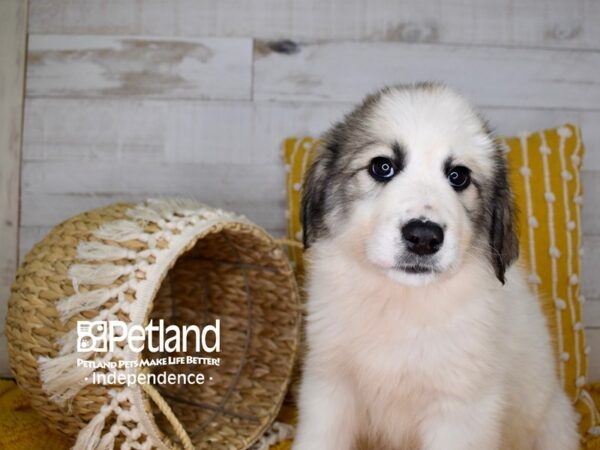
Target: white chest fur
399	350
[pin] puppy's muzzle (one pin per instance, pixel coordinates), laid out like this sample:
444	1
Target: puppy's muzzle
422	237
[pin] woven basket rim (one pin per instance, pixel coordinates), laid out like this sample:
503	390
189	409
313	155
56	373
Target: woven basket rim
213	228
146	298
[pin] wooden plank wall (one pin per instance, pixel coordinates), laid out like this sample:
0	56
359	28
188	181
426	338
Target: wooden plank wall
127	99
13	34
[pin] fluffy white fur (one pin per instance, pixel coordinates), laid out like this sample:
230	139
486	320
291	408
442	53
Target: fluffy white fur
452	360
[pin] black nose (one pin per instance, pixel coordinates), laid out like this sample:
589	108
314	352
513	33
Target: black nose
423	237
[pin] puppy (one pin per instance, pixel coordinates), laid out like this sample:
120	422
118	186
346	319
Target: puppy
421	332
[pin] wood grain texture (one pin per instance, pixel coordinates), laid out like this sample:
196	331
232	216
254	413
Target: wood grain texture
494	76
536	23
118	103
55	190
29	236
591	205
46	210
224	133
591	313
593	340
215	132
81	154
590	261
173	131
149	67
13	28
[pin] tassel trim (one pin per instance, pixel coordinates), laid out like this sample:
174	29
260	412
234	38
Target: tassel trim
83	301
120	231
101	274
97	251
62	378
89	437
145	214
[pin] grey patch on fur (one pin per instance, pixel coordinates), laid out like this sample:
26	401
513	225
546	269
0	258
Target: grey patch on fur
498	212
500	215
325	187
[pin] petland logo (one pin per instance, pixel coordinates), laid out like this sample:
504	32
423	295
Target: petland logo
104	336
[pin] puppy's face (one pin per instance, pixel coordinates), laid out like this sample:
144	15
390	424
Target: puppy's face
412	183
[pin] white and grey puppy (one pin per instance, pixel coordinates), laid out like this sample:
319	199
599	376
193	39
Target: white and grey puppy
421	334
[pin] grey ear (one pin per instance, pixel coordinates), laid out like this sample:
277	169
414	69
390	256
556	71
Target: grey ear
503	238
314	198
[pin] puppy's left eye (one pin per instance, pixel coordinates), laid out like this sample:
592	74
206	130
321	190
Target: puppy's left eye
382	169
459	177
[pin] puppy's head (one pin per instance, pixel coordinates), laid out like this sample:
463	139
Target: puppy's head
412	183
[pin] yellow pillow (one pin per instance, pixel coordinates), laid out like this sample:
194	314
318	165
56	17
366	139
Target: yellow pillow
546	180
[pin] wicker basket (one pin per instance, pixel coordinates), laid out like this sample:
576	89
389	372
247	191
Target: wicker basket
175	260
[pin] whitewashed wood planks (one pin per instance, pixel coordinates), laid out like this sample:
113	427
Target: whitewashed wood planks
149	67
222	68
591	313
224	185
42	211
13	29
168	131
493	76
535	23
593	340
83	153
230	133
590	261
189	144
237	132
29	236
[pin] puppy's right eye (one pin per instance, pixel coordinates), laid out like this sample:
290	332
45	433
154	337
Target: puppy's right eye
382	169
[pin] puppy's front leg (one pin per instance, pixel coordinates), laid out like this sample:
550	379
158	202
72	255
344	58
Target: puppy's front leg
457	425
327	413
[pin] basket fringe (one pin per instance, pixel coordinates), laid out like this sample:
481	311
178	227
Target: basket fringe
144	214
69	306
166	207
89	437
62	378
98	251
107	442
101	274
120	231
